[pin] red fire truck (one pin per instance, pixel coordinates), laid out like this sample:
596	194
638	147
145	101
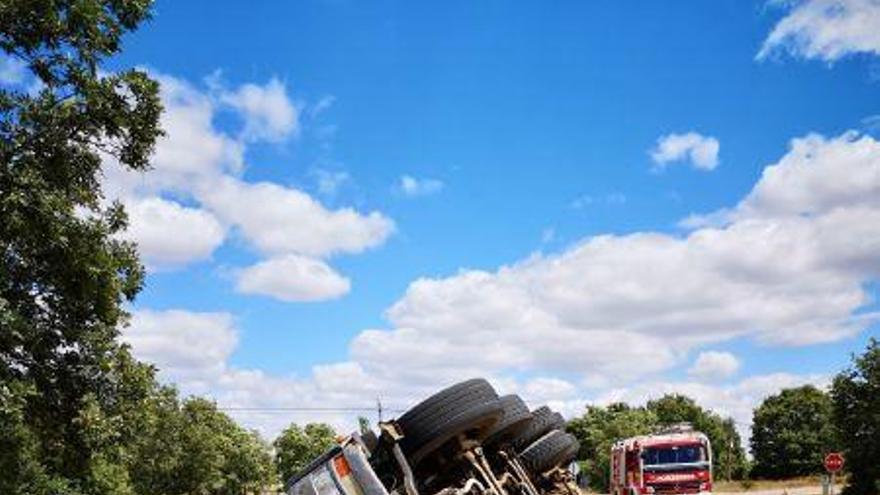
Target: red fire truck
677	460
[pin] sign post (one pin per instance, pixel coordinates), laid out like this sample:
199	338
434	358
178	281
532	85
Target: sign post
833	464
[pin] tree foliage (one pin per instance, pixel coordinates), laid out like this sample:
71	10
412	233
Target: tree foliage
855	395
192	447
79	415
295	447
599	428
791	433
68	387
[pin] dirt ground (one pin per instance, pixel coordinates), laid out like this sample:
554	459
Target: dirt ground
798	486
782	490
808	485
799	490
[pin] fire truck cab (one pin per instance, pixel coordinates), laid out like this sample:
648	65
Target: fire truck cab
677	460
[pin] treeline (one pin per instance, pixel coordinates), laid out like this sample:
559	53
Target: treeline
78	414
791	430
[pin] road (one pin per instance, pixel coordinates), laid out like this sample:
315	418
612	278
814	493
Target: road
801	490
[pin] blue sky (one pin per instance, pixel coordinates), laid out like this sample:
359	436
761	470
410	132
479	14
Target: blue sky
482	147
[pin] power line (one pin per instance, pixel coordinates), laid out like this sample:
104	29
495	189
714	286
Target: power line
307	409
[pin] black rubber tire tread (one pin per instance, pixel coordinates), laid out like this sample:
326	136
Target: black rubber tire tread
470	407
543	420
515	419
551	450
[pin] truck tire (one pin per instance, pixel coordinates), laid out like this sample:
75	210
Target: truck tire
543	420
470	407
551	450
515	418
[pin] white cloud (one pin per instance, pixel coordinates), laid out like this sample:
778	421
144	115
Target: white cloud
540	390
714	365
191	153
825	29
716	219
201	165
169	234
186	346
293	278
193	150
268	112
280	220
193	350
701	151
609	301
818	175
329	181
412	187
785	267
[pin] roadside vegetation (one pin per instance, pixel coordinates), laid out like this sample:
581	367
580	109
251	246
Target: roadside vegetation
855	396
791	432
295	447
80	416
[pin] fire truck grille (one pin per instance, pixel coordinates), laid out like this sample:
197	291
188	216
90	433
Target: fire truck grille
677	488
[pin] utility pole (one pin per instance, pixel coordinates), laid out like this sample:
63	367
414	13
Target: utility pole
379	409
730	457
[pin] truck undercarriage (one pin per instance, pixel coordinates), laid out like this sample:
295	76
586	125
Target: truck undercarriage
464	440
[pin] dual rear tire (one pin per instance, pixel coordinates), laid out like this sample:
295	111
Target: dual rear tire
543	421
515	419
467	409
552	450
472	410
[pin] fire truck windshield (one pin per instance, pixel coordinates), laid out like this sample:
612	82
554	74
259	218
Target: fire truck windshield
674	454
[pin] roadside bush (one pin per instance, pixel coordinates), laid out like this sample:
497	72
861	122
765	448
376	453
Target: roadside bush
855	394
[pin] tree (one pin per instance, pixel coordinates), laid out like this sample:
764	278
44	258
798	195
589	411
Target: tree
599	428
192	447
156	454
66	384
364	425
79	415
218	456
735	462
295	447
728	455
791	433
855	394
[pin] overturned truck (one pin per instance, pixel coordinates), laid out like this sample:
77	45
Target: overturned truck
464	440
